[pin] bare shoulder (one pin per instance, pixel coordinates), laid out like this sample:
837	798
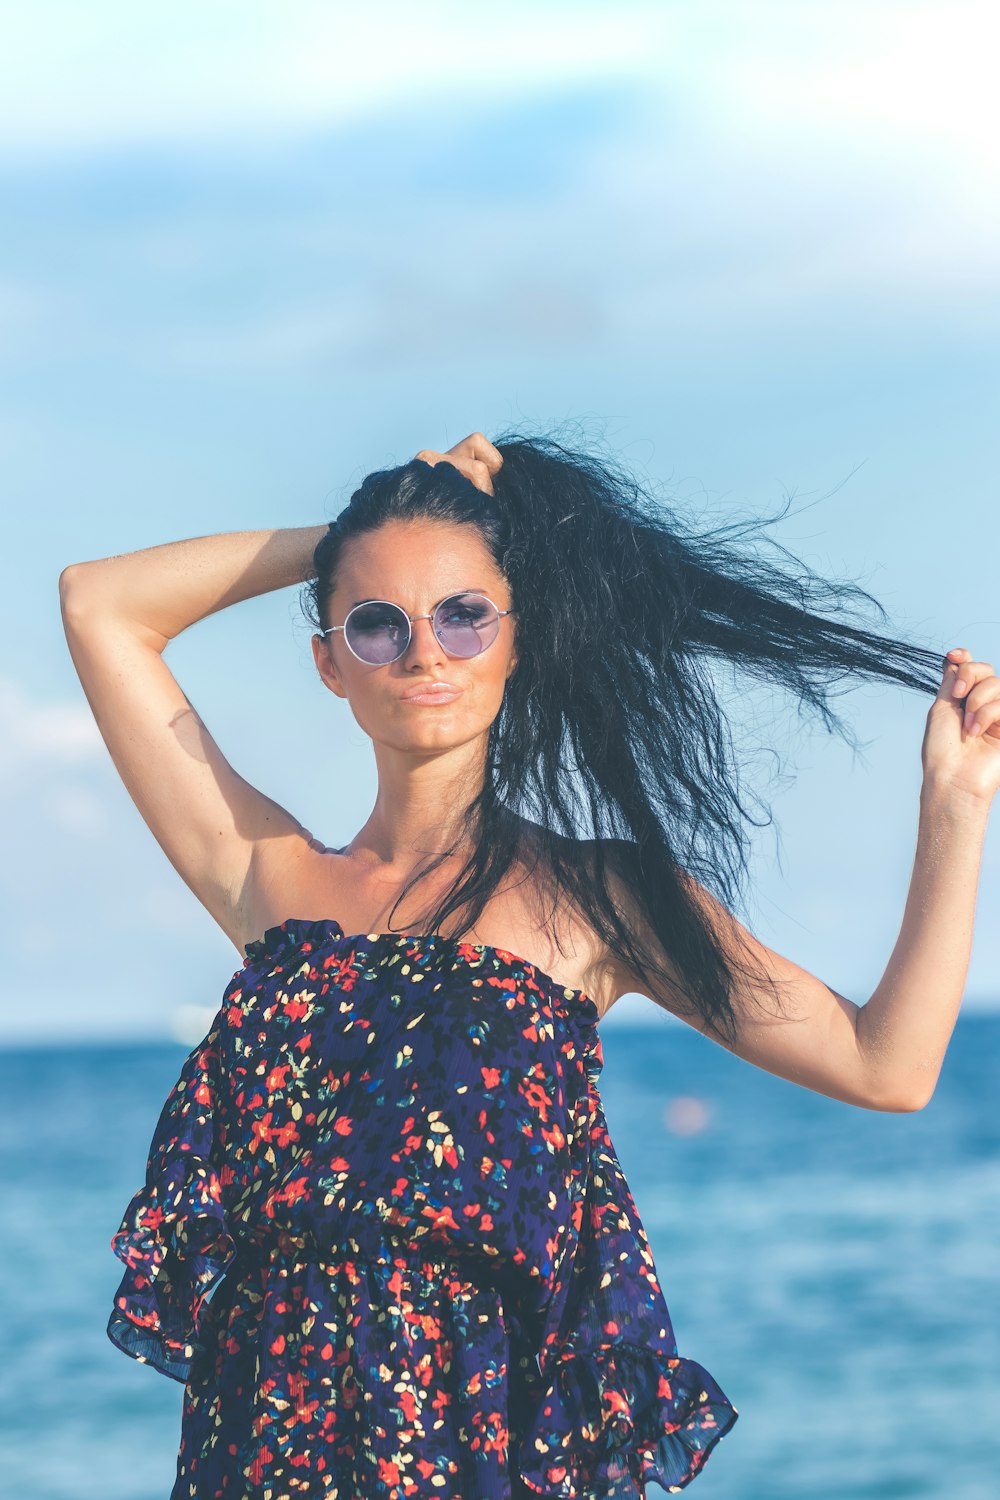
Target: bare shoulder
292	874
610	979
620	869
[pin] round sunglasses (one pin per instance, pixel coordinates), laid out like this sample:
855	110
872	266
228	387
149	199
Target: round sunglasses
379	631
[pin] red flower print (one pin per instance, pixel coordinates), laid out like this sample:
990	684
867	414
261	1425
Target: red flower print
412	1236
260	1130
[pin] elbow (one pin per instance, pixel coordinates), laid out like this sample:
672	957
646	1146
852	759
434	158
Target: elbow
913	1104
896	1090
903	1101
67	578
74	592
921	1090
68	583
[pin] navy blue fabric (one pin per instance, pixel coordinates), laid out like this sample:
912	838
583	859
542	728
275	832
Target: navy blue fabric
386	1243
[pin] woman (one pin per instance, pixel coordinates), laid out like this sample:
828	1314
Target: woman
388	1160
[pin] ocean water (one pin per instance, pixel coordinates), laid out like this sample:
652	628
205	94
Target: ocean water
836	1269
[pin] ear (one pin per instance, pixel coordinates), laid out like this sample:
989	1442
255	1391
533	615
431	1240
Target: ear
325	666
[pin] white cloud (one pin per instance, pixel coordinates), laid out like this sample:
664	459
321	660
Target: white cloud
172	907
74	809
75	78
893	75
782	160
34	733
890	75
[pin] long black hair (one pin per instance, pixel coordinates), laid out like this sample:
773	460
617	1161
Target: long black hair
611	728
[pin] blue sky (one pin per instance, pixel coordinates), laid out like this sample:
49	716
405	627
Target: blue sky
249	256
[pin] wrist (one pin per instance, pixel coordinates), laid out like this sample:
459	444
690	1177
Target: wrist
941	796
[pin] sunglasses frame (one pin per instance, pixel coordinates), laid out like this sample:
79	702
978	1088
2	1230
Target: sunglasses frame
459	594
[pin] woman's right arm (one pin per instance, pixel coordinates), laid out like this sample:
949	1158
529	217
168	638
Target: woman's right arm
119	614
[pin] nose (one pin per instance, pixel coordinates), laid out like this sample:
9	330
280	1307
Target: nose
424	645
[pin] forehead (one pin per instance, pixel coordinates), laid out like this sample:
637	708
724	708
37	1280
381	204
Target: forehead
416	561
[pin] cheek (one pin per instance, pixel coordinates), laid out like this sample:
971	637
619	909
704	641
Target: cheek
499	671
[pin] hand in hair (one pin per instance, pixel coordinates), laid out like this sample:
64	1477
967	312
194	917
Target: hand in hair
961	747
475	457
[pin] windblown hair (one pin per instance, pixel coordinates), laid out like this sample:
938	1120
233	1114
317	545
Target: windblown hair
611	728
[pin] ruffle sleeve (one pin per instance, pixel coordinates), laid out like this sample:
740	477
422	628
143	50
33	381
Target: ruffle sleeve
174	1238
617	1407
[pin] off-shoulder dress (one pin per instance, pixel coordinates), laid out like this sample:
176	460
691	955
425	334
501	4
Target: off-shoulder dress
386	1243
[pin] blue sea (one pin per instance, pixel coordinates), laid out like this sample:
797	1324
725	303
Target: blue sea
836	1269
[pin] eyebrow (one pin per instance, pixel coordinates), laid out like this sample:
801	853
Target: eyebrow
443	597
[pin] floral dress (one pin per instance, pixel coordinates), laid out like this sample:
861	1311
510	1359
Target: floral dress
385	1241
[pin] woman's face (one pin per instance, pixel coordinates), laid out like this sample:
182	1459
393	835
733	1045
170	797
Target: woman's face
416	564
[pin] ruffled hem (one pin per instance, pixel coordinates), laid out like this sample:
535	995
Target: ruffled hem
616	1419
175	1243
173	1237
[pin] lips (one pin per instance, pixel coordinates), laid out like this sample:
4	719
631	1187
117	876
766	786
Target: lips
431	692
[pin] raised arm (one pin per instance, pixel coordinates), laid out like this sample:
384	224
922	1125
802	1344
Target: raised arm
119	615
887	1053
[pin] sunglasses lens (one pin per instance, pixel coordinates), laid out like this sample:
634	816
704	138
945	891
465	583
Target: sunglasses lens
378	633
466	624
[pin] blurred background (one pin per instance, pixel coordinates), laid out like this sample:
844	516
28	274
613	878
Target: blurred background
251	253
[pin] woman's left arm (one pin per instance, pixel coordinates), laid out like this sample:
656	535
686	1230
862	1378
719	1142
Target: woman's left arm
887	1053
904	1029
